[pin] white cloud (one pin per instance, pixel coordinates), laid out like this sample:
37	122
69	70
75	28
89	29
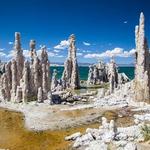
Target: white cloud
57	51
2	54
86	51
116	52
79	54
10	43
40	46
2	49
60	56
51	54
10	54
62	45
86	43
26	53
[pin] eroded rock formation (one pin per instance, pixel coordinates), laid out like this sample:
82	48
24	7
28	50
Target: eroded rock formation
102	73
108	133
24	81
97	74
142	67
112	75
70	77
54	82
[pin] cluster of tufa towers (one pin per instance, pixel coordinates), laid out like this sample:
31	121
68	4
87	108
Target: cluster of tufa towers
27	80
24	80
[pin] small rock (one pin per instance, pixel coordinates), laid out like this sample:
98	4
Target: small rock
97	145
121	143
130	146
136	121
83	140
121	136
73	136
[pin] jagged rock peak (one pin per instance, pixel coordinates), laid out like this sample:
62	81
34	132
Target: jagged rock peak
33	54
142	18
142	66
72	37
72	47
32	44
17	45
44	54
70	77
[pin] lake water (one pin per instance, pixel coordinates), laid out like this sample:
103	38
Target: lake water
83	71
14	135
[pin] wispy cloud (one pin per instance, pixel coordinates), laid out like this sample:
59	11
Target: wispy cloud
2	49
116	52
50	54
56	50
26	54
79	54
2	54
86	44
125	22
86	51
10	43
10	54
60	56
62	45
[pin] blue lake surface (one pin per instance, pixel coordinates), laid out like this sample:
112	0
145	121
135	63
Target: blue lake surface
83	71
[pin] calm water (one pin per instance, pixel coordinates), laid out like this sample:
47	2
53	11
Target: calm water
14	135
129	71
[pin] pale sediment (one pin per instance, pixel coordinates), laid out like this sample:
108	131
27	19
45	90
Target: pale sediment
25	87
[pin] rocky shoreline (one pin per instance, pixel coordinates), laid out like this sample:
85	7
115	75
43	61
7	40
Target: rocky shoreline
26	86
108	136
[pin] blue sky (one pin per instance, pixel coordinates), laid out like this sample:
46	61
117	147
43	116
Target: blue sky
99	26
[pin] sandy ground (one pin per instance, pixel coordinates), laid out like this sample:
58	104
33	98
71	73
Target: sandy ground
42	116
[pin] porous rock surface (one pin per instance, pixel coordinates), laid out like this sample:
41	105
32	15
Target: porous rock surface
23	80
70	77
122	138
142	67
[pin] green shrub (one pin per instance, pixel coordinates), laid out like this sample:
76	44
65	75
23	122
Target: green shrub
145	130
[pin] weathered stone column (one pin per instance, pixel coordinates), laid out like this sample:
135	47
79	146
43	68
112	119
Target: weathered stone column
8	74
70	77
26	88
54	82
142	67
37	74
40	95
90	75
18	56
18	97
5	86
113	76
14	79
32	50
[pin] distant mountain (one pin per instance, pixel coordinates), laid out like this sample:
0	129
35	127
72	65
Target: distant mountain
87	64
61	64
126	65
